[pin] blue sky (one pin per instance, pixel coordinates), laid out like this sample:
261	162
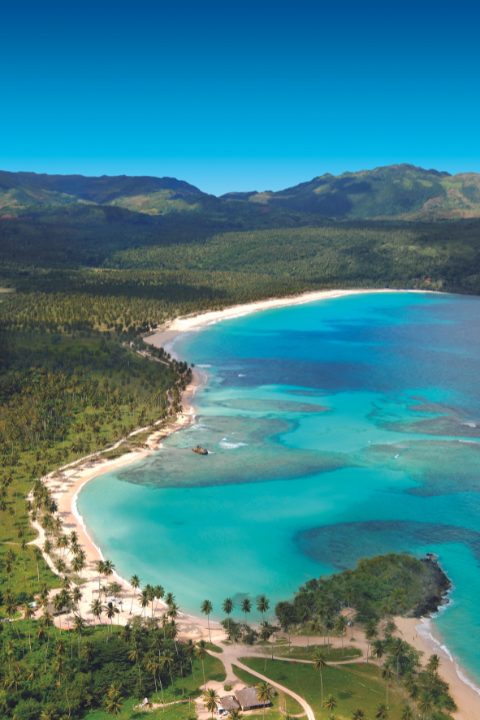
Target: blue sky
243	96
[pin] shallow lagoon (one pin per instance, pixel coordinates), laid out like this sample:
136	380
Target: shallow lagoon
338	429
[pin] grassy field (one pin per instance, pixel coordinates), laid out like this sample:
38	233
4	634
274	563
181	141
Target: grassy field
307	653
281	702
355	686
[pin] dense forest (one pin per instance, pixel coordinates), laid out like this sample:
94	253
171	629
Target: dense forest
48	674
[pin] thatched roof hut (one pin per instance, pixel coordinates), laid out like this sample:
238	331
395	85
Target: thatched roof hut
248	699
229	703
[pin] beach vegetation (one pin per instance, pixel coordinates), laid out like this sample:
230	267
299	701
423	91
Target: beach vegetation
379	587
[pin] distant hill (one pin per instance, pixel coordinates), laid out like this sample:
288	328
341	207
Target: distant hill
403	192
24	191
395	191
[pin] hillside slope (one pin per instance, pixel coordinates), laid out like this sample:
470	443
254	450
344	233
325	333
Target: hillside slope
396	191
24	190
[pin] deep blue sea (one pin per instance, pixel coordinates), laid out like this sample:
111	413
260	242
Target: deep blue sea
339	429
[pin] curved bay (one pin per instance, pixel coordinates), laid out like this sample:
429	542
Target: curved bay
338	429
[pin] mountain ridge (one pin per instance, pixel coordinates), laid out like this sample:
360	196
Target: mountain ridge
402	191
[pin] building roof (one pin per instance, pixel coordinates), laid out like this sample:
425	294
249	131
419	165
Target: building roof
248	698
229	703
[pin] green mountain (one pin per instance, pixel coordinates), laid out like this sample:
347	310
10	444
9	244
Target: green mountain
396	191
400	191
397	225
23	191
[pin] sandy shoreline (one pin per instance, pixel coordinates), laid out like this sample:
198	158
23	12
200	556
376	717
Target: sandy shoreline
66	484
166	336
419	634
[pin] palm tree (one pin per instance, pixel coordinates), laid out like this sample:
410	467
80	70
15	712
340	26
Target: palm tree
227	609
111	610
407	713
153	665
37	553
158	593
371	632
62	542
76	596
425	705
264	694
79	626
135	583
96	608
149	590
262	605
28	613
201	653
378	647
73	542
398	653
144	600
341	626
172	612
330	703
319	663
113	703
389	629
382	713
206	609
10	604
387	675
78	563
235	714
108	568
433	664
210	699
246	607
135	657
168	662
358	715
99	566
170	599
62	601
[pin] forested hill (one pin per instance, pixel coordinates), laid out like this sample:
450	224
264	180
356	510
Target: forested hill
396	191
397	225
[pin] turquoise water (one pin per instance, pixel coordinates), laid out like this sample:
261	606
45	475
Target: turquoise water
337	429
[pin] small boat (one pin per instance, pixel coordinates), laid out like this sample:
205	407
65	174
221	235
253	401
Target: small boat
200	450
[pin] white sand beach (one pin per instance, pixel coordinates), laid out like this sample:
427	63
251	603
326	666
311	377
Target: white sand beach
166	335
418	633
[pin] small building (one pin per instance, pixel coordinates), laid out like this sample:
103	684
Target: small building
248	699
228	703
